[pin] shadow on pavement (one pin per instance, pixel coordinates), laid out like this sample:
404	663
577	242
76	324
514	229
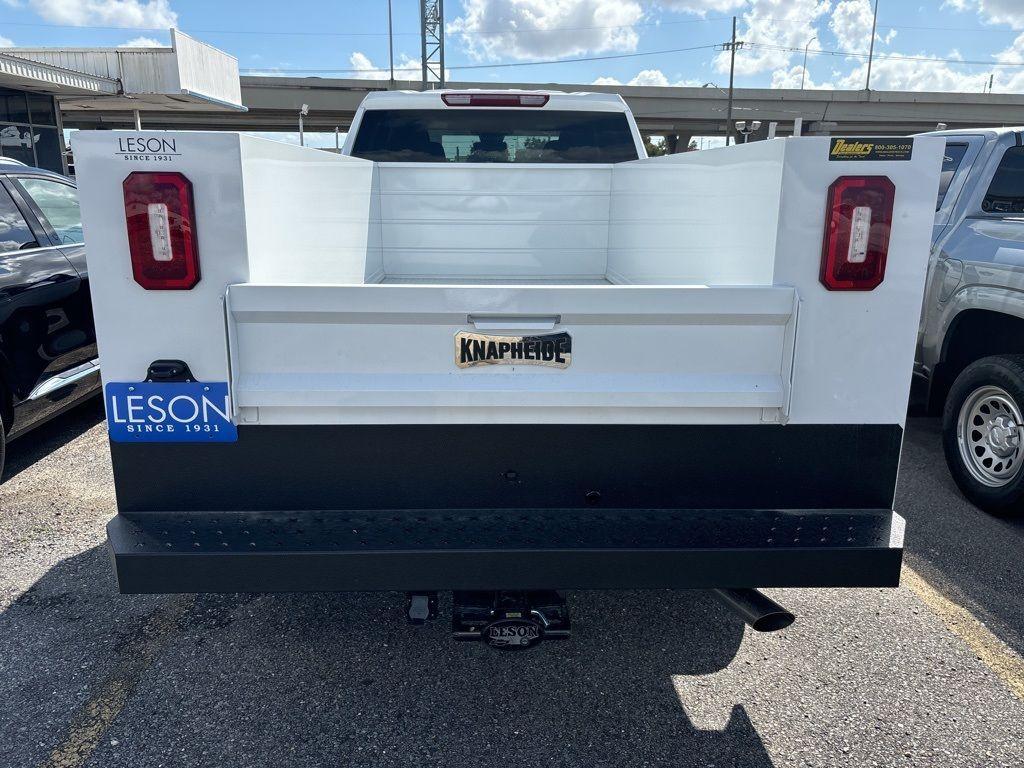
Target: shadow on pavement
969	554
339	679
45	439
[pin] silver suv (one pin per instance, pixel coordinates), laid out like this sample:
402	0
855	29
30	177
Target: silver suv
970	361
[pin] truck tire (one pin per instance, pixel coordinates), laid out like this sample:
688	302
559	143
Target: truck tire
983	433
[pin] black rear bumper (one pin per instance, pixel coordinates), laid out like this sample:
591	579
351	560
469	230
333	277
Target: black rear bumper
460	549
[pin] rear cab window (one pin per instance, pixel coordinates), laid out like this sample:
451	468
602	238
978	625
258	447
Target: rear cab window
951	160
1006	192
467	135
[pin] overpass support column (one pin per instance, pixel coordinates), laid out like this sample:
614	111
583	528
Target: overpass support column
677	142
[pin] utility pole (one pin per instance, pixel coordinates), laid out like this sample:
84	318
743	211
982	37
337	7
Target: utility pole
432	41
871	49
804	70
731	47
391	49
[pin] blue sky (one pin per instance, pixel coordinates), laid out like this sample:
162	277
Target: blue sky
929	45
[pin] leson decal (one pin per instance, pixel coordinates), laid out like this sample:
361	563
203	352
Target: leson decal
178	412
156	148
553	350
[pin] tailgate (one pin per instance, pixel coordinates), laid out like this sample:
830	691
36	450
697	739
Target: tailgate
302	354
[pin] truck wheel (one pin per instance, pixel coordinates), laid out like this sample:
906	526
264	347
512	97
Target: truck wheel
982	428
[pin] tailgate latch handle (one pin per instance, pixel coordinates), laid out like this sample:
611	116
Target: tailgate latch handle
514	322
169	370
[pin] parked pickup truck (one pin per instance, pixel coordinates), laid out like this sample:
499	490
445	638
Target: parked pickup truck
492	348
970	359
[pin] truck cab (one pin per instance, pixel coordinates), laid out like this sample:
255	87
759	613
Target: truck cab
971	337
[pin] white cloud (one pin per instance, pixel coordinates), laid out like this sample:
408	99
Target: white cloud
1012	53
892	74
524	29
406	68
993	11
1003	12
143	42
790	78
5	42
145	14
649	77
773	23
701	7
361	61
851	24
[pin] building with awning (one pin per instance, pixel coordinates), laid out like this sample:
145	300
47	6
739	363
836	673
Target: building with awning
36	84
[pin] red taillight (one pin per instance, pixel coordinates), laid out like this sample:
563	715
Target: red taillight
161	231
495	99
857	224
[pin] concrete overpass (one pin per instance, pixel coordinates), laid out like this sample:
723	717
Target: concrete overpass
273	104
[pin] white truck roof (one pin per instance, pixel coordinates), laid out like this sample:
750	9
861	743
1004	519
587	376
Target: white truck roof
560	100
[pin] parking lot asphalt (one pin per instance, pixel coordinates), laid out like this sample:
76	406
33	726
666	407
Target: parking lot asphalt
863	678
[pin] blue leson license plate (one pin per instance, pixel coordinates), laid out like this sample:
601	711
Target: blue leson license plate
169	412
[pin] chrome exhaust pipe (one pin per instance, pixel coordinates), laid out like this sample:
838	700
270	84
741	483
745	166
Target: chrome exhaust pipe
759	611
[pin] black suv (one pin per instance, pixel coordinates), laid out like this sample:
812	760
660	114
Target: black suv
48	356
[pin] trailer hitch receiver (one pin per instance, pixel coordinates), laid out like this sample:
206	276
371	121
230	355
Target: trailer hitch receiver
510	621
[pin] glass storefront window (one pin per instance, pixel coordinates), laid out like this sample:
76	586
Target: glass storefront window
48	149
41	109
13	106
28	129
18	141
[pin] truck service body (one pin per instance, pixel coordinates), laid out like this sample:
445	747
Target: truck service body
492	346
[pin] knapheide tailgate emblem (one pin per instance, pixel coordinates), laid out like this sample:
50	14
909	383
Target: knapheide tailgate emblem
553	350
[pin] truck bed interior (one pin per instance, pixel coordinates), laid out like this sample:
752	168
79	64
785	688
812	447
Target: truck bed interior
671	220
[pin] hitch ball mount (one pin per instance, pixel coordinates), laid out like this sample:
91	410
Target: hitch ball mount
504	620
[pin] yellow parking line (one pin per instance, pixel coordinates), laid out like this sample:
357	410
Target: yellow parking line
92	719
993	652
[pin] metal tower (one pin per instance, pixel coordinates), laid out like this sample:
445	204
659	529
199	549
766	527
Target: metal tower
432	38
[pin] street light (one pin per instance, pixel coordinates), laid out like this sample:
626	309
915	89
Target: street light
804	70
302	113
746	128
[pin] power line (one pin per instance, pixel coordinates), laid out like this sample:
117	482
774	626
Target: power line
502	31
762	46
319	33
901	26
893	56
501	65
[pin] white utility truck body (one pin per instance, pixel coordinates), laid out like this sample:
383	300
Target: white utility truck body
486	364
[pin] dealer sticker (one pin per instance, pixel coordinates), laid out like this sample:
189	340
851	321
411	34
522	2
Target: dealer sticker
874	148
169	412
